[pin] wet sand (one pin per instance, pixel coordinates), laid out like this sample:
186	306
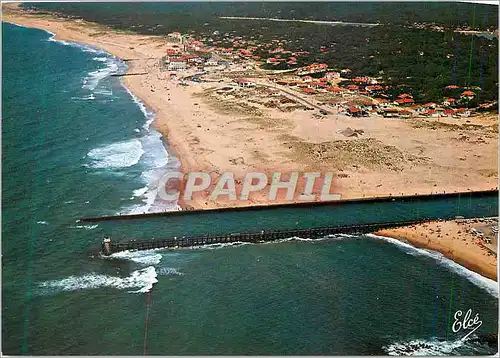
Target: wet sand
457	240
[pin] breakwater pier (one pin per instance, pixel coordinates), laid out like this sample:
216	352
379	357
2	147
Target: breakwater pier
110	246
274	222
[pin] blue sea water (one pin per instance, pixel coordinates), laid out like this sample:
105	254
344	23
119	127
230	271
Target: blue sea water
76	143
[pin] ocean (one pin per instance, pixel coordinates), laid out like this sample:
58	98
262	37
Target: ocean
76	143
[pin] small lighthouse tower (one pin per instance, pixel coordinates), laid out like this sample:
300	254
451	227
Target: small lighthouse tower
106	246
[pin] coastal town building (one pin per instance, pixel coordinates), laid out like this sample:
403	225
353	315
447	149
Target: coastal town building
212	61
175	36
467	95
244	82
177	64
404	114
311	69
332	75
389	112
449	102
404	101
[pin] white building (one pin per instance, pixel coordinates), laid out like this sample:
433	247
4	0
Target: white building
175	65
176	36
212	62
244	82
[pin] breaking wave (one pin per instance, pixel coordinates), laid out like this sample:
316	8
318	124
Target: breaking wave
471	346
86	227
485	283
142	280
169	271
91	81
86	98
420	347
241	243
157	161
147	257
84	48
117	155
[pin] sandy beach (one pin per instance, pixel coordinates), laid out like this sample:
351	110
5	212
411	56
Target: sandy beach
470	242
215	132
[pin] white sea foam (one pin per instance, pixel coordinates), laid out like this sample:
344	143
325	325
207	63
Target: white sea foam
148	114
143	280
84	48
140	192
215	246
91	81
86	98
42	222
156	159
306	239
240	243
421	347
169	271
147	257
116	155
293	238
488	285
156	154
103	92
86	227
100	59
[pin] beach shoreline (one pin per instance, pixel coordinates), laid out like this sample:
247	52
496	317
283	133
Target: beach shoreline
182	138
206	135
461	240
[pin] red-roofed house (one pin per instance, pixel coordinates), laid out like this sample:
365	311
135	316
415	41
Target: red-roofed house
405	101
314	68
244	82
309	91
335	89
467	94
332	75
317	85
374	88
354	111
449	101
448	112
452	87
404	114
389	112
462	112
431	113
405	95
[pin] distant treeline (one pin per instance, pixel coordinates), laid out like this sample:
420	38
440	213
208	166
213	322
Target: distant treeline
425	60
479	16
